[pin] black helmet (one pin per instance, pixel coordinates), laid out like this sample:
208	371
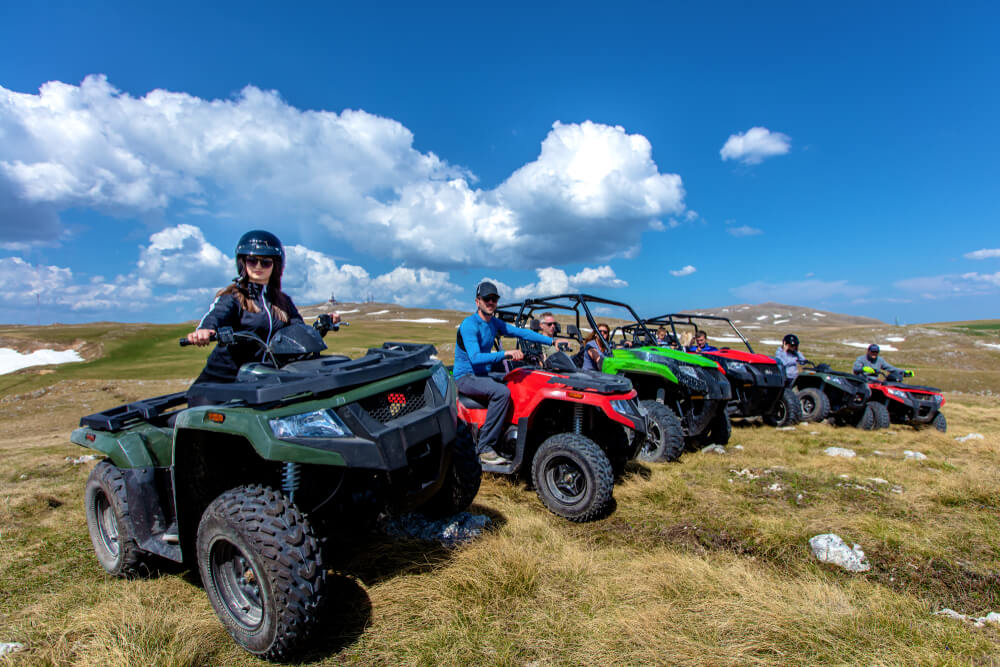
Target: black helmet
873	348
790	339
261	244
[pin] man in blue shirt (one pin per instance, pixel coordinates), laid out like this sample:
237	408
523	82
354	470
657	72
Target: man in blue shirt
474	356
701	343
870	364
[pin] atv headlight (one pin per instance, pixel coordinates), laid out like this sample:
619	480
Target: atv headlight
626	407
837	381
901	395
318	424
736	367
442	380
688	370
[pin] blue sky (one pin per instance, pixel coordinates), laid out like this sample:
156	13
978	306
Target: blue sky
837	157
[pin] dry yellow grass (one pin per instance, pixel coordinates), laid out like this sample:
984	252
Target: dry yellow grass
699	564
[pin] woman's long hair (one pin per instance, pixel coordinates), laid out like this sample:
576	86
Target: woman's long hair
280	303
593	336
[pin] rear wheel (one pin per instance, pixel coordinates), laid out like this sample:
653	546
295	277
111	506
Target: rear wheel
573	477
262	570
940	423
461	482
881	415
814	403
664	435
865	419
110	524
786	411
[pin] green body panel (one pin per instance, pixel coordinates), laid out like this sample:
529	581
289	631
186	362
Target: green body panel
145	445
137	447
623	361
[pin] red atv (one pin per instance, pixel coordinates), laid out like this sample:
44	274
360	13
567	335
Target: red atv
576	429
907	403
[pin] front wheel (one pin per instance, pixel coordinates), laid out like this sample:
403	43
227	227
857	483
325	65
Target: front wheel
461	482
573	477
110	524
881	415
865	419
815	405
664	434
940	423
786	410
262	570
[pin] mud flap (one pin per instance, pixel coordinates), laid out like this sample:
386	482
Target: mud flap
146	509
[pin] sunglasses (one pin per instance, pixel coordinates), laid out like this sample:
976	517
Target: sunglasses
548	324
262	262
490	299
603	332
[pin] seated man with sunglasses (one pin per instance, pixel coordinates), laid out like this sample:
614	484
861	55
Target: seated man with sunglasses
474	356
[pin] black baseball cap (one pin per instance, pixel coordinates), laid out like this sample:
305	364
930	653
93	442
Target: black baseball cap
873	348
486	288
790	339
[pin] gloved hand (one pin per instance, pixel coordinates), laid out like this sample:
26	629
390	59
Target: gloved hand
868	369
907	374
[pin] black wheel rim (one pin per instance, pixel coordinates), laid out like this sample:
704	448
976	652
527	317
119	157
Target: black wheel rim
654	440
779	414
238	584
107	524
565	480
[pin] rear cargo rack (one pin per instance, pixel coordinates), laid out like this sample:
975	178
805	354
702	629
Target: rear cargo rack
123	415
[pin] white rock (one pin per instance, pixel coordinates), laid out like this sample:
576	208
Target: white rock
83	459
713	449
813	432
916	456
878	453
774	487
829	548
971	436
10	647
844	476
738	447
896	489
744	473
878	480
784	428
992	617
840	451
951	613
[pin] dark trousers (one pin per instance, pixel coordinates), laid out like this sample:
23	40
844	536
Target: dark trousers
497	397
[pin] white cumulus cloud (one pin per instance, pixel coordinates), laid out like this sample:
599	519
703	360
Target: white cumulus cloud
743	230
985	253
254	160
955	284
684	271
556	281
752	146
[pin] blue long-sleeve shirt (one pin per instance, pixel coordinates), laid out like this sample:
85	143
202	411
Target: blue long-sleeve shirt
477	336
879	364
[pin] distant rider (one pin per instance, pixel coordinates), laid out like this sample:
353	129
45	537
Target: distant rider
474	356
789	358
254	302
701	343
870	364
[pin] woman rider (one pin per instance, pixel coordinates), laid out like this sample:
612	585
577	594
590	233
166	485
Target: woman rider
594	349
254	302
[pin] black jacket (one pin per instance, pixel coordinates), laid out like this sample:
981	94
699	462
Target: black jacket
224	362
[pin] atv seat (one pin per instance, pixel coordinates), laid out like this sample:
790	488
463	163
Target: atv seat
471	403
535	325
573	332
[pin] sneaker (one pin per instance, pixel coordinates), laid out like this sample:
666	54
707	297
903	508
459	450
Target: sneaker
490	457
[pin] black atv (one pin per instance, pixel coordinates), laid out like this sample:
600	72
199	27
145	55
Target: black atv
243	488
841	397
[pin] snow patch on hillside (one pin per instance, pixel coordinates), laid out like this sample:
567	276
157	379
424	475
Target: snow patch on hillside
12	360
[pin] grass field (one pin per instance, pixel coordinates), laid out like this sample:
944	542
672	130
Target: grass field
704	562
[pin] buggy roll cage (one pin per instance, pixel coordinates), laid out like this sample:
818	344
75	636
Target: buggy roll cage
574	303
673	319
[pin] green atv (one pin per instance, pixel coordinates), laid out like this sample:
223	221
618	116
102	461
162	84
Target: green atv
684	395
247	488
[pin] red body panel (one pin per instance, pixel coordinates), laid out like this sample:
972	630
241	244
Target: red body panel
530	386
739	355
878	386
